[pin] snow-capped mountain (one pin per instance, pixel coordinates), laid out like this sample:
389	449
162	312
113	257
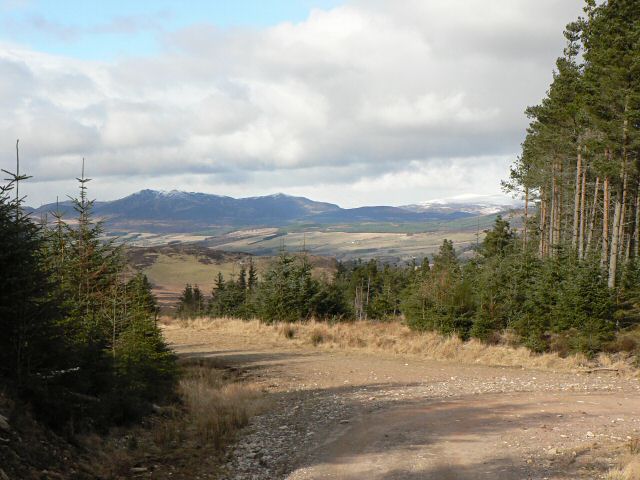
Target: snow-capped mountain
468	203
179	211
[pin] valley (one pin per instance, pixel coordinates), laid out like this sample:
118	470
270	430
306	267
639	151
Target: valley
266	225
177	238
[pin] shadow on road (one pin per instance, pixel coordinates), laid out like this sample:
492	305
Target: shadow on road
392	436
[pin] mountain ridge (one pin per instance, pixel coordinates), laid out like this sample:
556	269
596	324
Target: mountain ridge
183	211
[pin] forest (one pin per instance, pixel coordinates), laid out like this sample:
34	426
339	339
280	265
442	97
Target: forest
79	343
568	280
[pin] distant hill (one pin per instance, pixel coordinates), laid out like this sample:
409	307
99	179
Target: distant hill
204	208
189	211
385	214
472	204
177	211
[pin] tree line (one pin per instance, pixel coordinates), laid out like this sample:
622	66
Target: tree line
547	304
579	162
80	341
288	291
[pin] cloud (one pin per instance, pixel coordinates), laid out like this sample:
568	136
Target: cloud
130	24
9	5
32	22
395	101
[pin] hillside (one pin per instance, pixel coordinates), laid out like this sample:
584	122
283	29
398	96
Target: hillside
177	212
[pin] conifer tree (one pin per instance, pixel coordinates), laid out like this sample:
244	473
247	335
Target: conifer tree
242	278
31	344
252	276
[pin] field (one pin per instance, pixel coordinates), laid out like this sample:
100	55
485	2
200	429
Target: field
387	241
346	245
148	239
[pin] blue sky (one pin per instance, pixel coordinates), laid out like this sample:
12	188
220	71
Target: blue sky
108	29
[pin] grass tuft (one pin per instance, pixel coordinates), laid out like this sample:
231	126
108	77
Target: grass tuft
317	336
631	471
288	331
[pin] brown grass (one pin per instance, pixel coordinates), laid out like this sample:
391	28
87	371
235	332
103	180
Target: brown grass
215	408
396	338
214	405
631	463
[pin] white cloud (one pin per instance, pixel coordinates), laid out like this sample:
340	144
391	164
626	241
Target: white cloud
371	102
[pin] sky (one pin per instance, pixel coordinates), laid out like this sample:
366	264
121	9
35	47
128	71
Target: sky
356	102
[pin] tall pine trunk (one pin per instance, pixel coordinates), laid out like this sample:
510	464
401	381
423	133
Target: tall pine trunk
613	256
583	200
605	222
552	212
543	225
622	234
560	204
618	227
620	209
636	227
592	217
526	218
576	200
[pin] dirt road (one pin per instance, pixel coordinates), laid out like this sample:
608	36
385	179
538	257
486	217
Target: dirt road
346	415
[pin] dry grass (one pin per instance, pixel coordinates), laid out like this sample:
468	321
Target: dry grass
214	405
631	463
397	338
215	408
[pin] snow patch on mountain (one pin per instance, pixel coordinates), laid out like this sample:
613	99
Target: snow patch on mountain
469	203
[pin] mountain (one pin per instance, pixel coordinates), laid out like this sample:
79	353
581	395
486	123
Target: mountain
204	208
187	212
471	204
384	214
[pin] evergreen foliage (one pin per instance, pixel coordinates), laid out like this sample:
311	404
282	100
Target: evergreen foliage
191	303
32	345
81	343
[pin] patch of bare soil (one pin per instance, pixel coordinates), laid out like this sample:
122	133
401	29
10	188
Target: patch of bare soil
351	415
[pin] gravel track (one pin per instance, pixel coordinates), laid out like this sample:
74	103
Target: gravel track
349	415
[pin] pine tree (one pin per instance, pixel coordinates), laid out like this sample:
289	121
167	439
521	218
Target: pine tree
81	345
90	270
242	278
443	300
145	366
198	307
287	290
252	279
499	241
186	303
32	344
